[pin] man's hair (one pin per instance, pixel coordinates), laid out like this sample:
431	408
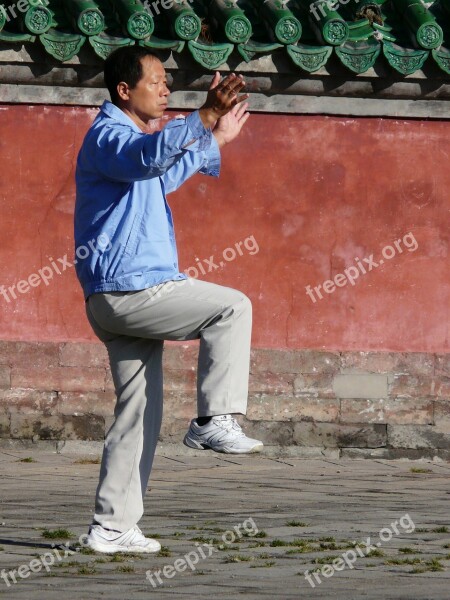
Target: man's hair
124	64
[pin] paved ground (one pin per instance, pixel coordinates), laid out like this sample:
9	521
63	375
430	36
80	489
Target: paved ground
233	527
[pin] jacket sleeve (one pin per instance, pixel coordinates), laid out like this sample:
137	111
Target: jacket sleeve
121	154
206	162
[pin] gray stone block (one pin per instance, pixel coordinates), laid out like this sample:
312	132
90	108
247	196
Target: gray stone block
331	435
417	436
57	427
367	385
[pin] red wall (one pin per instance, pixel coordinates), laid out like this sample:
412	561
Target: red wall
314	191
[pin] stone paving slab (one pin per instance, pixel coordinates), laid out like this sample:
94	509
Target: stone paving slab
251	524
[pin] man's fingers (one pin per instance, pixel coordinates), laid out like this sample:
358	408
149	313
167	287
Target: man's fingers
215	80
242	98
232	83
243	119
239	109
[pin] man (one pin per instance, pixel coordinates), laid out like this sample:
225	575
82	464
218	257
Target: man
135	295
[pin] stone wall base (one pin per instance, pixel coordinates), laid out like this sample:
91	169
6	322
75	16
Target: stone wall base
301	402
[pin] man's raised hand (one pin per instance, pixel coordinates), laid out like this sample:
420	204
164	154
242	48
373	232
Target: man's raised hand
222	97
229	126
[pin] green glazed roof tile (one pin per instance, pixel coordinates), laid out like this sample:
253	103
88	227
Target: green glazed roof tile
442	57
62	46
104	44
408	32
157	43
249	50
210	56
404	60
309	58
359	56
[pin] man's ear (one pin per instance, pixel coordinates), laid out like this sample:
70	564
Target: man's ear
123	90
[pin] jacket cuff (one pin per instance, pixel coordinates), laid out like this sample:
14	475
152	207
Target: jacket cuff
201	135
212	166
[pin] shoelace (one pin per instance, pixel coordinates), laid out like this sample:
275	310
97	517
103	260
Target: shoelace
230	424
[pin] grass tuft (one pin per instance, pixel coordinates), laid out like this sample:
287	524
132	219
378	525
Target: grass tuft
237	558
88	461
165	551
420	470
408	550
57	534
324	560
375	553
88	569
87	551
260	534
126	569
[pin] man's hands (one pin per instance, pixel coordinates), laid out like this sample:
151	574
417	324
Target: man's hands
229	126
223	96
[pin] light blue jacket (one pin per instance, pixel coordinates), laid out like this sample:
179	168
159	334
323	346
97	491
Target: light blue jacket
124	235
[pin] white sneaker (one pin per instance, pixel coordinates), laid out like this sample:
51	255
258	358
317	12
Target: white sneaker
222	434
109	542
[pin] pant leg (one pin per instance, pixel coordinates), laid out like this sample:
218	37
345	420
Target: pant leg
130	444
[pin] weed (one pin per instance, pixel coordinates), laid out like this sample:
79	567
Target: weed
323	560
28	459
296	524
87	551
329	546
203	539
57	534
375	553
403	561
260	534
117	557
88	569
429	565
237	558
408	550
275	543
126	569
164	551
88	461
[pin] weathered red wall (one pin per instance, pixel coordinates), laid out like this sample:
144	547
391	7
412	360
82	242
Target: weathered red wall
314	191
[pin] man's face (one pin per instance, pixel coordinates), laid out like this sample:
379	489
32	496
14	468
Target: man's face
148	100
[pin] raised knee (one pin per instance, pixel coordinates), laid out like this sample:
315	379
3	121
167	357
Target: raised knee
244	304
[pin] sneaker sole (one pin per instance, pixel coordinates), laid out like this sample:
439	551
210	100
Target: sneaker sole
114	548
224	449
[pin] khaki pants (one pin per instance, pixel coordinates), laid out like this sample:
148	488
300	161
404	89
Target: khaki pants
133	326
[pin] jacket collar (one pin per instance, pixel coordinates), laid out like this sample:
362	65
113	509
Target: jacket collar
114	112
